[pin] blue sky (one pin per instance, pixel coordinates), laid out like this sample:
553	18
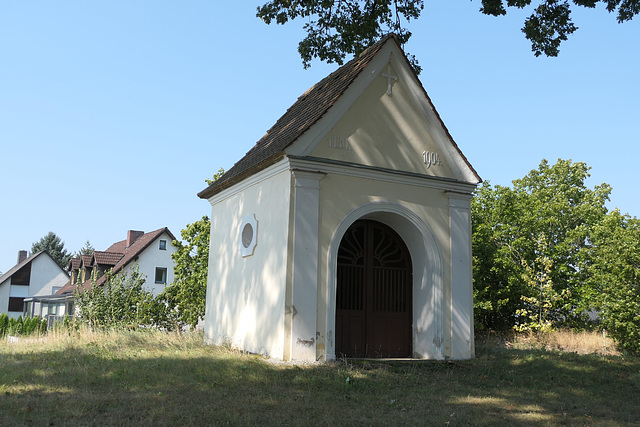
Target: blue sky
112	114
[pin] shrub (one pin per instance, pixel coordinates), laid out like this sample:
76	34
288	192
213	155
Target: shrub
121	301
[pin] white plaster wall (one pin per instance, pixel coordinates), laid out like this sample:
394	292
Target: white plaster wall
45	274
5	289
407	206
246	295
153	257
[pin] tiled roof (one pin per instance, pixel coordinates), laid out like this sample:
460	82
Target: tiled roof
107	258
118	246
85	261
303	114
127	256
74	264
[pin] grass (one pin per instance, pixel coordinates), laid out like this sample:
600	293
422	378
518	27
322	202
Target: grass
151	378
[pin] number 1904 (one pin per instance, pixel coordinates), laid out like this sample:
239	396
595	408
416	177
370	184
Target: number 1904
430	158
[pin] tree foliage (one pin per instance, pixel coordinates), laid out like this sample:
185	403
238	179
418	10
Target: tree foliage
215	176
538	301
185	297
615	277
87	249
338	28
54	247
553	204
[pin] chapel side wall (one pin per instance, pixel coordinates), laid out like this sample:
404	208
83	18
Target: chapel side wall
432	206
245	302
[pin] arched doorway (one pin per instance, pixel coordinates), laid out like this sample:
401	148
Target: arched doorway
374	293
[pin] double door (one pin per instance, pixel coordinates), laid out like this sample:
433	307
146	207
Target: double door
374	293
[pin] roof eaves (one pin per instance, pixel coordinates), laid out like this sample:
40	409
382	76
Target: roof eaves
213	190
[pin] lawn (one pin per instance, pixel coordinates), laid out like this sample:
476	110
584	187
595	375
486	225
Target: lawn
151	378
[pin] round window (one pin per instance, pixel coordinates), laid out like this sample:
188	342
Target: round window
247	235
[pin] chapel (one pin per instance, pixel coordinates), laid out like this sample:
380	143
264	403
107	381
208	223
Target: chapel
346	230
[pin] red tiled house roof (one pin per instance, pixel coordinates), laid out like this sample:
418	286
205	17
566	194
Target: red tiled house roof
119	260
106	258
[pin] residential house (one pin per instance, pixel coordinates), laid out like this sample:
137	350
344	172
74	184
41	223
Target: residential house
149	252
32	276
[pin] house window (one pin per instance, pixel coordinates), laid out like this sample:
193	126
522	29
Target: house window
161	275
16	304
163	245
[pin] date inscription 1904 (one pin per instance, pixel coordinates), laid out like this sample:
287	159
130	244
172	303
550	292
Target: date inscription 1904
431	159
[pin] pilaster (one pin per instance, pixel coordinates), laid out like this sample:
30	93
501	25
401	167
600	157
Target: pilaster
462	344
304	298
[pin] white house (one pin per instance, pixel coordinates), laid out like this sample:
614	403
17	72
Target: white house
149	252
32	276
346	230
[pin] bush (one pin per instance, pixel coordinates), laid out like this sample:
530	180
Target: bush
4	324
616	277
121	301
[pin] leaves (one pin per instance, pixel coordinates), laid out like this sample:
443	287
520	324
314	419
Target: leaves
615	277
547	217
340	28
185	297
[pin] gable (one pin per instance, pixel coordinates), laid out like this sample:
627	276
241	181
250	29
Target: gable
385	131
317	113
386	120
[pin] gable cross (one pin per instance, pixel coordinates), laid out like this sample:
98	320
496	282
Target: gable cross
389	76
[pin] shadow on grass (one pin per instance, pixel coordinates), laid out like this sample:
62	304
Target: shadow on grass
156	383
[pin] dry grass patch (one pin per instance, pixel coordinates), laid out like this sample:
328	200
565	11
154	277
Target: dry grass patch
586	342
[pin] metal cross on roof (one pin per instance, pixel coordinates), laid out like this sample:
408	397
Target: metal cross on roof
389	76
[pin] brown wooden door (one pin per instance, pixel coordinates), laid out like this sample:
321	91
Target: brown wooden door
374	293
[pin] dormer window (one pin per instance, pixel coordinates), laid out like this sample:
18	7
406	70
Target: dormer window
163	245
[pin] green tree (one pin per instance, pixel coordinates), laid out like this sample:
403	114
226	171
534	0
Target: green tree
54	247
338	28
615	276
215	176
551	203
538	302
87	249
185	297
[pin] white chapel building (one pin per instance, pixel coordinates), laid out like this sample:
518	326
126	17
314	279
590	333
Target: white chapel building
346	230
